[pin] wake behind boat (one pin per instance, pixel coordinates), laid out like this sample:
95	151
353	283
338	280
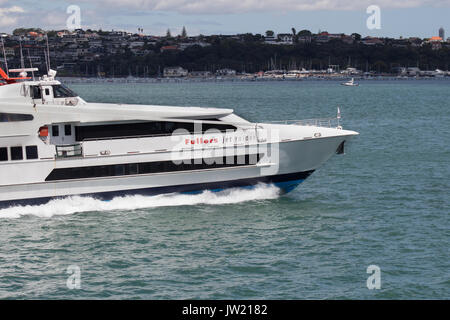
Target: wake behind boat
54	144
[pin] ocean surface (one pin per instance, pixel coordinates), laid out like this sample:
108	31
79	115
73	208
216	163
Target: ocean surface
386	202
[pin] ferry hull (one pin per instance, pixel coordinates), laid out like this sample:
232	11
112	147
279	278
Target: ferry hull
285	182
296	161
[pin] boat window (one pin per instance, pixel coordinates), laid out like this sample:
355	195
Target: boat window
133	168
32	152
150	128
3	154
13	117
68	130
16	153
119	170
36	92
47	91
55	131
152	167
61	91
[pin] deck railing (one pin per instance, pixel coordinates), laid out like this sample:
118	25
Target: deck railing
321	122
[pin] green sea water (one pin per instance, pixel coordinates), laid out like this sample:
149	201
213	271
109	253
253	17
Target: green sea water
386	202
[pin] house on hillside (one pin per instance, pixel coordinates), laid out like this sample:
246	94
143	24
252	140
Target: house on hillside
169	48
371	41
270	40
436	42
285	38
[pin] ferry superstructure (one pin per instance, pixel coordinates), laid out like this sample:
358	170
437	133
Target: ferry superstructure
55	144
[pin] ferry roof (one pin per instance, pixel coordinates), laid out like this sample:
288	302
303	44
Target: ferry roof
13	96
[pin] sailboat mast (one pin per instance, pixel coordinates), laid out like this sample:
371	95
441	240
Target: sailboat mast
22	64
31	64
48	53
46	60
4	56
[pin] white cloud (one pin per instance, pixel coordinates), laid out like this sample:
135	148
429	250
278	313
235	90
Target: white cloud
248	6
53	19
7	21
8	17
14	9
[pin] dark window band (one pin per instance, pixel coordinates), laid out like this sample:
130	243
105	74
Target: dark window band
151	167
142	129
14	117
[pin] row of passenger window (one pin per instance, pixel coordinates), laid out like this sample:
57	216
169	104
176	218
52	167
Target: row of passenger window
148	128
151	167
16	153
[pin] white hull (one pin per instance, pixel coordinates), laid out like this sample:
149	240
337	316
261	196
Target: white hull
296	160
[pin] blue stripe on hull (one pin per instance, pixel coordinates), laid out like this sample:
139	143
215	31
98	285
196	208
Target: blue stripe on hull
285	187
286	182
288	186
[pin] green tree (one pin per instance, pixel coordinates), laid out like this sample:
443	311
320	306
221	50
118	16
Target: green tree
184	33
304	33
269	33
168	34
51	33
23	31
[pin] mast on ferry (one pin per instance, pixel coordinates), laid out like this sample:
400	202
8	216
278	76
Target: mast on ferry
4	54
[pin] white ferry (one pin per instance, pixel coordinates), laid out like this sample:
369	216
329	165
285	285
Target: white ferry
55	144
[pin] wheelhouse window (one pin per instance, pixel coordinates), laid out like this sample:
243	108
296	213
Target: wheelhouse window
36	92
67	130
16	153
14	117
3	154
55	131
61	91
32	152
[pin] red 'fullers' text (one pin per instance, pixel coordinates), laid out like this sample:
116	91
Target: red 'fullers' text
200	141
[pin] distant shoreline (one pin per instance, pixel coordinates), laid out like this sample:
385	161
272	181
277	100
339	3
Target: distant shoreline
80	80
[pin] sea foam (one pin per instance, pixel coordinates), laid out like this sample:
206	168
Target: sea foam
78	204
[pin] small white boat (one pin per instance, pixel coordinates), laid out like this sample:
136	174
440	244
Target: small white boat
350	83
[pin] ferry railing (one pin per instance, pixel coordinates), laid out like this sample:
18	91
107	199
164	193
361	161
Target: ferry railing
319	122
67	151
156	135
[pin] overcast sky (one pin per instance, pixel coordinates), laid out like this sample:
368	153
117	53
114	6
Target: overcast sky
405	18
